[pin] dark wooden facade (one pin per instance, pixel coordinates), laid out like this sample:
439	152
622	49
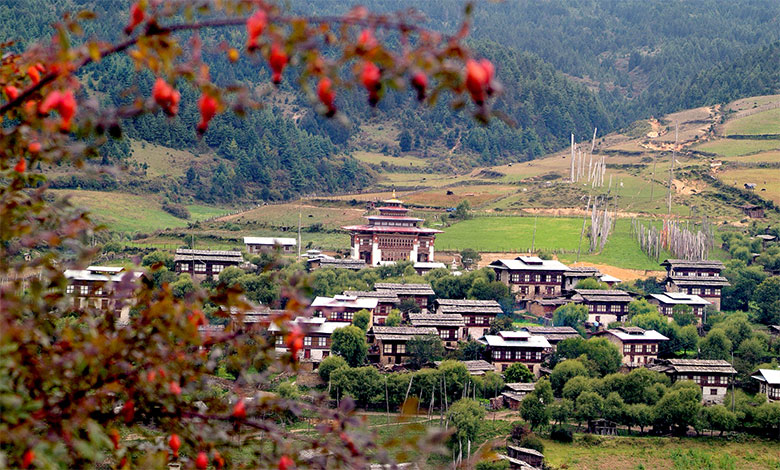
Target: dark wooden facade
205	264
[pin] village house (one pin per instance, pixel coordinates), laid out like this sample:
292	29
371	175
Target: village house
514	394
604	306
475	367
576	274
392	236
256	245
420	293
531	277
342	307
316	343
774	330
387	344
95	287
769	383
700	278
553	334
386	302
424	267
753	211
545	308
477	314
638	347
509	347
450	326
205	264
668	300
713	376
522	458
335	263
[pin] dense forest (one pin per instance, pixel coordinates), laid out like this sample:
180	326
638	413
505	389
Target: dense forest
567	66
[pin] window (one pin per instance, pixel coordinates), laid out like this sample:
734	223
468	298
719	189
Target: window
70	289
401	349
496	354
640	348
538	355
184	267
514	277
99	291
601	308
215	268
626	348
307	341
322	341
527	277
200	267
713	391
348	316
477	320
387	348
707	291
537	278
716	292
614	308
696	290
279	341
84	290
444	334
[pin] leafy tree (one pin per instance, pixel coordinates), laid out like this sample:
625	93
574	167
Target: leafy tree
328	365
518	372
680	406
604	354
469	257
683	315
361	319
767	301
575	386
230	275
405	140
688	338
571	314
462	211
533	410
349	342
493	465
544	391
565	371
571	348
455	375
721	418
466	416
589	406
641	307
471	350
650	321
715	345
562	410
501	323
643	386
164	258
591	283
183	286
363	384
490	385
424	349
744	280
408	306
640	415
615	408
394	318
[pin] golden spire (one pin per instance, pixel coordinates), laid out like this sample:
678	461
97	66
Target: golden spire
394	193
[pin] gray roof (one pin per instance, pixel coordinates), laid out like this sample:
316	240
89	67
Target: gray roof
699	264
476	367
469	306
683	366
525	450
678	298
770	376
400	333
553	333
582	271
356	264
521	387
436	319
405	289
699	280
515	339
270	241
183	254
632	333
384	296
601	295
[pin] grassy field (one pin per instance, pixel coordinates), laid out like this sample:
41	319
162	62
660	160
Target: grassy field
476	195
648	453
766	122
764	178
377	158
752	102
124	212
772	156
286	215
161	160
504	234
737	147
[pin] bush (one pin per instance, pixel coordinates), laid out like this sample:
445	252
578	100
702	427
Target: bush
562	434
176	210
531	441
328	365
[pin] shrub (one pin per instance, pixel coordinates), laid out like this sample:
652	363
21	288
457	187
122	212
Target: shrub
562	434
531	441
176	210
328	365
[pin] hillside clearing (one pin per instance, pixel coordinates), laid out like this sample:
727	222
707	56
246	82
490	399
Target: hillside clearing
737	147
765	122
511	234
767	180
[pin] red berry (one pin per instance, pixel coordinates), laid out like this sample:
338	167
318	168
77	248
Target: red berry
151	376
255	25
370	76
128	410
174	443
175	388
114	435
479	76
11	92
51	101
326	95
136	17
27	458
278	60
34	147
34	74
123	462
239	409
21	166
166	97
218	460
295	340
201	461
420	83
366	41
67	109
208	108
285	462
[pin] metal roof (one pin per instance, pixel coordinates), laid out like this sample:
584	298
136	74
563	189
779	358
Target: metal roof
529	263
345	301
384	297
469	306
685	263
313	325
699	280
635	334
770	376
678	298
436	319
515	340
521	387
401	333
428	265
271	241
184	254
600	295
95	276
683	366
405	289
390	229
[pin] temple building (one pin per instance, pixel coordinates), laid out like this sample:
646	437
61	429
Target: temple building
392	236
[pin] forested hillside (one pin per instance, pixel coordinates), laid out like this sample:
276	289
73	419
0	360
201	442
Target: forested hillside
567	66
